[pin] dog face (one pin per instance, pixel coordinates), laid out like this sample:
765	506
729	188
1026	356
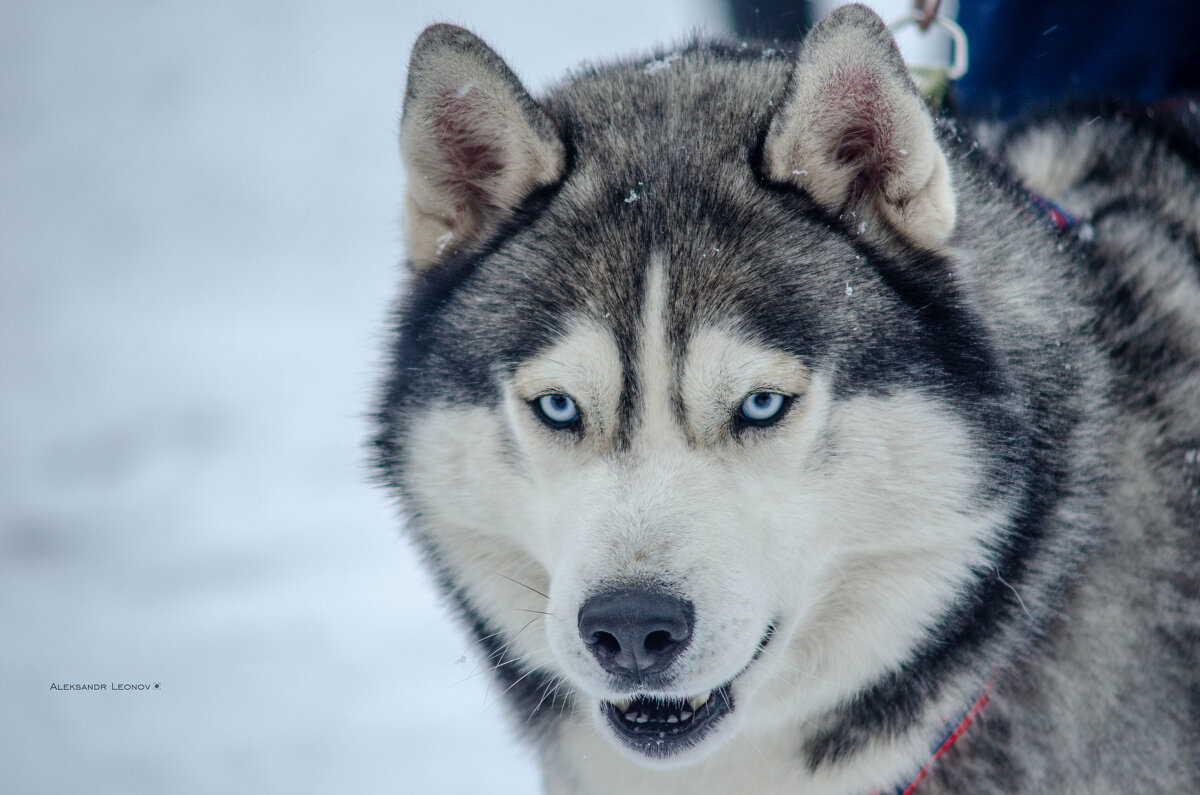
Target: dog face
679	438
734	536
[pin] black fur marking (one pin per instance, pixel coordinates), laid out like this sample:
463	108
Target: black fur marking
942	329
417	351
1142	357
894	703
1037	463
539	699
1156	123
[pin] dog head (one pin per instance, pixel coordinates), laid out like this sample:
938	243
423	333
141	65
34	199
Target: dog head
686	409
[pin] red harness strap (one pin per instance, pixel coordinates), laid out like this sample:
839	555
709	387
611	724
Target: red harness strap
1054	211
950	739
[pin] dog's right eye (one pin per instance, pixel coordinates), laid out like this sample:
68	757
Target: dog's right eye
557	410
763	408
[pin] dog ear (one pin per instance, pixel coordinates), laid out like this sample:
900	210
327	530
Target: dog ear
474	143
854	133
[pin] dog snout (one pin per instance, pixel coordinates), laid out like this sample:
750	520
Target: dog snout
635	632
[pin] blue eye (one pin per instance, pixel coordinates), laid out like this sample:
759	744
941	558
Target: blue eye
763	407
557	409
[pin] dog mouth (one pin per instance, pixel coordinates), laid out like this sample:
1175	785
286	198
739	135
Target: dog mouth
660	727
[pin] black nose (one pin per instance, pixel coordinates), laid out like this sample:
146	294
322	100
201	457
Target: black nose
634	631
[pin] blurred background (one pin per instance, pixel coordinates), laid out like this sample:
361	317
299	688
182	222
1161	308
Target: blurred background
199	239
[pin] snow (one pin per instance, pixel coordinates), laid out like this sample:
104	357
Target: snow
199	237
660	64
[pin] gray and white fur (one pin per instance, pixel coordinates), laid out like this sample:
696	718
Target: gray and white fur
756	423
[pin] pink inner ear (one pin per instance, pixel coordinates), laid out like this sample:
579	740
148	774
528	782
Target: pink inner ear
857	122
469	134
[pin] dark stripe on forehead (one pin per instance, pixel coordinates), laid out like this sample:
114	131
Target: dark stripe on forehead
680	323
653	331
633	394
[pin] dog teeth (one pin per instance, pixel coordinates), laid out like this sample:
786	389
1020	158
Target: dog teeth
661	715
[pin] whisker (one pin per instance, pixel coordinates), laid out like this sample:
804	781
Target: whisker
514	637
518	681
791	685
547	691
498	654
793	668
558	688
522	658
758	750
523	585
851	590
1020	601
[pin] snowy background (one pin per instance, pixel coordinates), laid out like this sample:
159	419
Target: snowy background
199	235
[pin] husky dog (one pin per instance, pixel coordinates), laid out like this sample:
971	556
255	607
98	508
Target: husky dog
769	438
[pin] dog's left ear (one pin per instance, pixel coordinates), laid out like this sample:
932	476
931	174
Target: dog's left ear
854	133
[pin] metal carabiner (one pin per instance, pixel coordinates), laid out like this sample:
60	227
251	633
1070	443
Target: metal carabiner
959	58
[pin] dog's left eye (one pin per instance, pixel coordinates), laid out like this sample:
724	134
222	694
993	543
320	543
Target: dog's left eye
763	408
558	410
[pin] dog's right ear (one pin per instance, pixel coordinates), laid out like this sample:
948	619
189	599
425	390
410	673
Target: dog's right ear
855	134
474	144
